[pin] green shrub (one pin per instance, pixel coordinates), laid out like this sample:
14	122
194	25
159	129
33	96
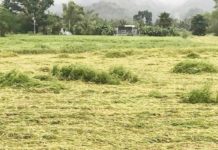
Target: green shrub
193	55
193	67
104	29
203	95
185	34
159	31
123	74
17	79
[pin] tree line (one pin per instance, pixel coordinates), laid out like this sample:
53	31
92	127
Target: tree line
20	16
28	16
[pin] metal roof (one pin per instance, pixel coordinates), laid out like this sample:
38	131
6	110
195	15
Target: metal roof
129	26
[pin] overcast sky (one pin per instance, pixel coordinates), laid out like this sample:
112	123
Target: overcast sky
169	2
173	2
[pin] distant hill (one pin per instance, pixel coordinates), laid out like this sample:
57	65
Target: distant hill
110	10
120	9
123	9
190	6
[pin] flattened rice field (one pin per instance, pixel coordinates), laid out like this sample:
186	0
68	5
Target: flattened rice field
44	109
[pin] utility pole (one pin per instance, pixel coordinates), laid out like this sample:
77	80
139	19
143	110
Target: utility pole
34	25
69	26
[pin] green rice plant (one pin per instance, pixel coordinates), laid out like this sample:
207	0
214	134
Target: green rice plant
104	78
193	67
203	95
55	70
83	73
123	74
77	72
43	77
17	79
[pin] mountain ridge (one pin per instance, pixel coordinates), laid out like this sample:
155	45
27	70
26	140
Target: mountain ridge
130	7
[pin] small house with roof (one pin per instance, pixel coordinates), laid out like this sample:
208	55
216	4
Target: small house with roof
126	30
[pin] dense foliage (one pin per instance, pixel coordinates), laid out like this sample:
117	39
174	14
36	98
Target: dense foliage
213	20
144	17
159	31
33	10
5	21
165	21
199	25
76	20
72	15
